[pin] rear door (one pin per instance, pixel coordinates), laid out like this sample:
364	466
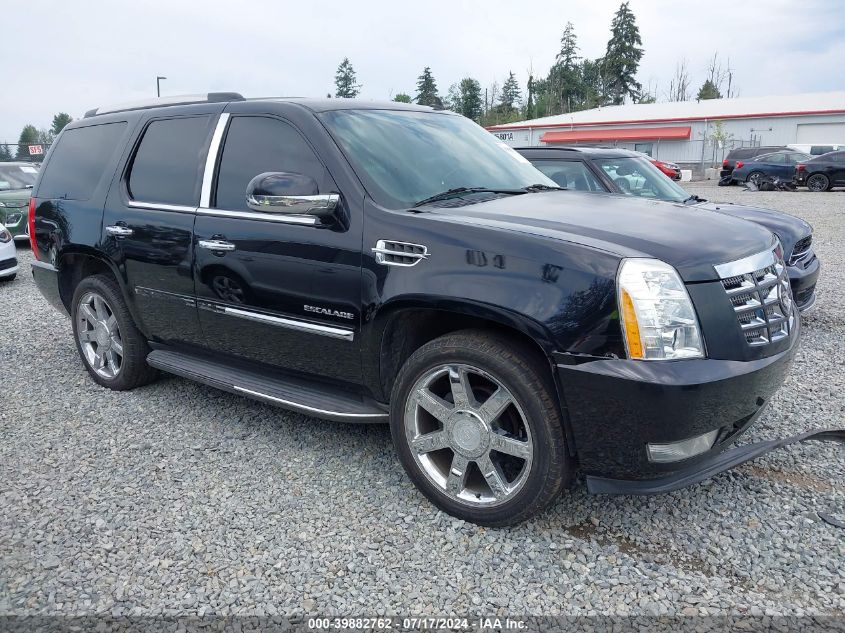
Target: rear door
149	219
283	291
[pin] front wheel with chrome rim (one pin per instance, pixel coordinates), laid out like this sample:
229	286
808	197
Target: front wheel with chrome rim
112	348
477	427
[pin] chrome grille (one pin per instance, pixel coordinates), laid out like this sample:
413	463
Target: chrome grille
761	298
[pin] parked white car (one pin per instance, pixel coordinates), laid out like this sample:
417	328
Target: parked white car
817	149
8	256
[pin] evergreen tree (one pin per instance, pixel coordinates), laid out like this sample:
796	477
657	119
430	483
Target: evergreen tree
568	55
529	105
59	123
427	89
402	98
5	154
344	81
469	91
29	136
453	98
622	59
708	90
511	93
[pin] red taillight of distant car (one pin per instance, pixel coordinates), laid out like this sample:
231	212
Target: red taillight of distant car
739	164
725	163
800	167
31	223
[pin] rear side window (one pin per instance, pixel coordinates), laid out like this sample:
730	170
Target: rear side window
255	145
79	160
169	161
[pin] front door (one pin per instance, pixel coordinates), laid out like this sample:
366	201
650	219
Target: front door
148	224
269	287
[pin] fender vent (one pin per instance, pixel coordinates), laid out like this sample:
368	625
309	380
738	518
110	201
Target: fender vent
392	253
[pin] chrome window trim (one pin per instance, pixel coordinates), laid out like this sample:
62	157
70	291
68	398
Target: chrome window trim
303	407
179	208
211	159
330	331
758	261
305	220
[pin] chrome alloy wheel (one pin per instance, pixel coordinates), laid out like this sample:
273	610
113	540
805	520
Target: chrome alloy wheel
99	335
468	435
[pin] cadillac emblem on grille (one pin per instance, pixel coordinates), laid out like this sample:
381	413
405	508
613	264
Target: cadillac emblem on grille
759	291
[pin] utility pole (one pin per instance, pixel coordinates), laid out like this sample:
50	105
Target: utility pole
158	85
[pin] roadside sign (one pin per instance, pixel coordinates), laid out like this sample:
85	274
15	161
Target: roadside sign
36	150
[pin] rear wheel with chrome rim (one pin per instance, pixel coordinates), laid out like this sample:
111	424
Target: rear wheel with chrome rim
112	348
477	427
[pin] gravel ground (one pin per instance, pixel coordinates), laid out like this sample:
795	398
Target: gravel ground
179	499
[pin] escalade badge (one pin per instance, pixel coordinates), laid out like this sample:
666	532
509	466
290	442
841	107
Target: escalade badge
328	312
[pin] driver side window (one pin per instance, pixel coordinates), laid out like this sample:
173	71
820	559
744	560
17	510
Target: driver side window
255	145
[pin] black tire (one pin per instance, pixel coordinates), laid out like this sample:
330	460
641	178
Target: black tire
755	176
818	183
526	375
134	371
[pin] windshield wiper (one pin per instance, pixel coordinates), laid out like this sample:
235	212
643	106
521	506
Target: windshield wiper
538	187
458	191
694	198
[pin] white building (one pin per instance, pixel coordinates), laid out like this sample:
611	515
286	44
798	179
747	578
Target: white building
682	132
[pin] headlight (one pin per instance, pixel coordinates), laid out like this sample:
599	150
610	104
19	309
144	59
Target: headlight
5	236
658	319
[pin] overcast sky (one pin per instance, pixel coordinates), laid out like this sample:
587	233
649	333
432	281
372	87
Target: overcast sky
74	55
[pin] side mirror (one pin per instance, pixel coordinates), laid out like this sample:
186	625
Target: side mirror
293	194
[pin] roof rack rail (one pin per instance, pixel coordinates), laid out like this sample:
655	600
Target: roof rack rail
211	97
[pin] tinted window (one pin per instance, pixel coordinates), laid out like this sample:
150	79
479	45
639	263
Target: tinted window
169	161
255	145
778	159
79	160
570	174
818	150
799	157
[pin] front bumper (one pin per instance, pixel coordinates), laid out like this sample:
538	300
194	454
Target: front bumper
616	407
8	267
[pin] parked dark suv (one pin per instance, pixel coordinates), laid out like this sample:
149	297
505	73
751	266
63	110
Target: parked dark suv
371	262
620	171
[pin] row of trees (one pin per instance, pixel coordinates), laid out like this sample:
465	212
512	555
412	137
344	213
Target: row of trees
31	135
573	82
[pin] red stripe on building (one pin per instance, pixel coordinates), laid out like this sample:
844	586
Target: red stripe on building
762	115
624	134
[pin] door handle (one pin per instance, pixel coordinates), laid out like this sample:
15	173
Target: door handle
216	245
119	231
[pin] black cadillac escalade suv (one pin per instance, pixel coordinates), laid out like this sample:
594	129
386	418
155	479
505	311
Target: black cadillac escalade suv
381	262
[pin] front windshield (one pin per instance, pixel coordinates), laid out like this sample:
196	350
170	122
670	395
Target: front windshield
17	176
637	176
403	157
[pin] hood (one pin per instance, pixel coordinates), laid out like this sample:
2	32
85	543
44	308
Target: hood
788	228
689	238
